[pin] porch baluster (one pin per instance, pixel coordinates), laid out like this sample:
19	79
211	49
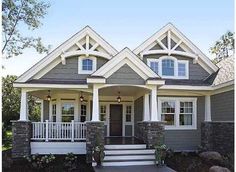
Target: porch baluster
46	130
72	130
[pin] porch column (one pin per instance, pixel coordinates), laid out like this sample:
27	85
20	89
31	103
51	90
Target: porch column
154	115
95	112
23	106
207	108
146	108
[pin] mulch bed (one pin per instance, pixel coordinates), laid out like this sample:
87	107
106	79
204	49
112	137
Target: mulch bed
22	165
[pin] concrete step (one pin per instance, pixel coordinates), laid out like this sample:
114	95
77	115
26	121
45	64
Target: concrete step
129	157
126	163
119	147
130	152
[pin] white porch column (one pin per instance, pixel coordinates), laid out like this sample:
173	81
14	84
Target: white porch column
154	115
23	106
146	108
207	108
95	114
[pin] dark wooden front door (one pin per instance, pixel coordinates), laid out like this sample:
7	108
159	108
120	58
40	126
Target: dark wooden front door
115	120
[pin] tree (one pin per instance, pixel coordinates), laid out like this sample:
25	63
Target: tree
11	102
224	47
17	14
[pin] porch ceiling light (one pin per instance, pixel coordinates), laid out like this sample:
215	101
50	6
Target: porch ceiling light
119	98
81	98
48	96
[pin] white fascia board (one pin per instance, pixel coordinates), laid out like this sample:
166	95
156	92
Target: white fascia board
23	85
171	27
60	49
123	55
185	87
155	82
96	80
223	85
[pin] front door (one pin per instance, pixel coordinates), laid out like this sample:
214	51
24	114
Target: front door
115	120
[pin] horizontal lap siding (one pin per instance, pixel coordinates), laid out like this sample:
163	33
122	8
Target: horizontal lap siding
138	113
69	71
125	75
45	110
180	140
222	106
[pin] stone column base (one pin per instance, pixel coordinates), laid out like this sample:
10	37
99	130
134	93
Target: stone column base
151	132
21	132
94	136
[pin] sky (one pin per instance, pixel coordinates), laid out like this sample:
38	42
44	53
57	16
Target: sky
127	23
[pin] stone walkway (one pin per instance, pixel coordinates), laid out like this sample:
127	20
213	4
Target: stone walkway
143	168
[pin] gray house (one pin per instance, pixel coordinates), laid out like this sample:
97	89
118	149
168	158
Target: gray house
164	91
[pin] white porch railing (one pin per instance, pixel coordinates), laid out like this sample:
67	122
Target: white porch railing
47	131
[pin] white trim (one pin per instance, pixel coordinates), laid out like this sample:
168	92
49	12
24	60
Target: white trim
176	62
80	65
211	67
96	80
67	44
207	108
169	52
86	53
154	115
42	111
176	118
146	108
38	85
155	82
95	109
125	57
24	106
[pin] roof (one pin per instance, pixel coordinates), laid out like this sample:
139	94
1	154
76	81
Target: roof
226	71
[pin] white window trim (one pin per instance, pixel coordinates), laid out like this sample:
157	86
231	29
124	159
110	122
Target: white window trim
176	61
80	63
176	117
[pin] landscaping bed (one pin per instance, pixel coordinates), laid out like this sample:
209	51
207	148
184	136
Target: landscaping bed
192	162
56	165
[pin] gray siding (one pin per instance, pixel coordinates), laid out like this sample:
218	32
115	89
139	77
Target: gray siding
196	72
138	113
45	110
179	140
69	71
222	106
125	75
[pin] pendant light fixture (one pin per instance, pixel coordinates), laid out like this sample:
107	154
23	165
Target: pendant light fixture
48	96
118	98
81	97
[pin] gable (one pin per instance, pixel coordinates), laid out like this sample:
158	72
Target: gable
173	42
86	42
126	56
125	75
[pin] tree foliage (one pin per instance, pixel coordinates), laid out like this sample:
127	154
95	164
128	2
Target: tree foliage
11	102
17	14
224	47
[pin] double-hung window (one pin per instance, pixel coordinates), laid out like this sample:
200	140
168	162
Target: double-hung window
128	113
178	112
168	67
83	113
87	65
103	112
154	65
67	111
54	111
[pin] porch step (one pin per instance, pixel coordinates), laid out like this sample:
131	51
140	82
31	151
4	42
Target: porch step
118	147
128	155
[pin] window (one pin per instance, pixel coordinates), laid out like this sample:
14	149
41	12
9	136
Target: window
128	113
181	69
83	113
186	113
168	67
103	112
67	110
54	112
178	112
87	65
168	112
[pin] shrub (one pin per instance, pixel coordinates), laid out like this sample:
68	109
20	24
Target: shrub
41	162
70	162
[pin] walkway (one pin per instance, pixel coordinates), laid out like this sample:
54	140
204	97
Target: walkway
143	168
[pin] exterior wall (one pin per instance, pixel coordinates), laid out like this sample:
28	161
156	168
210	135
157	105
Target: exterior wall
188	140
196	72
69	71
222	106
138	114
45	110
125	75
128	130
